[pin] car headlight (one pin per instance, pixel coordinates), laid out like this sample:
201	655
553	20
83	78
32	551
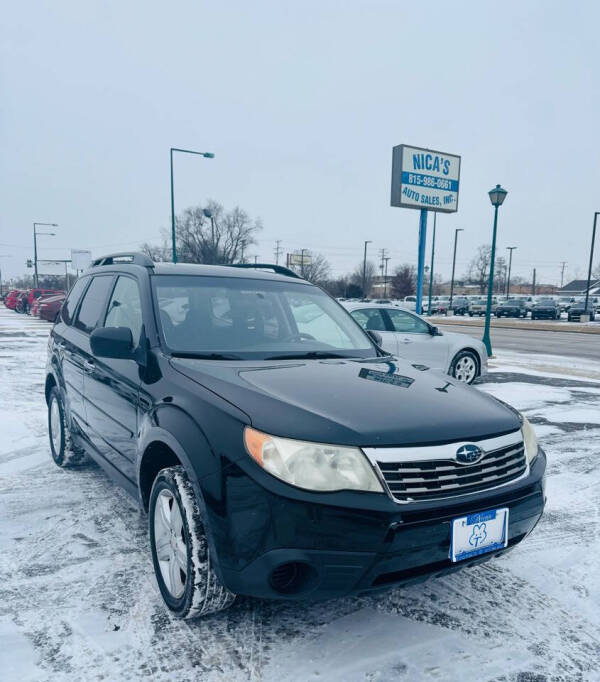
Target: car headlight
529	438
314	466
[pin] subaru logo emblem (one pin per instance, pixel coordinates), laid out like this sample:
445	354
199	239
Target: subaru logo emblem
469	454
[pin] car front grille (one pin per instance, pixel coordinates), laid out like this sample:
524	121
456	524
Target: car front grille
412	481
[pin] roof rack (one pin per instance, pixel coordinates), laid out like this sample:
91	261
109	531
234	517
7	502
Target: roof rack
129	258
279	269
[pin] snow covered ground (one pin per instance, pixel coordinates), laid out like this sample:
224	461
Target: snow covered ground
78	599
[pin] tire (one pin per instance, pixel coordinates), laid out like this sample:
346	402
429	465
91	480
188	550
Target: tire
470	314
186	579
63	452
465	366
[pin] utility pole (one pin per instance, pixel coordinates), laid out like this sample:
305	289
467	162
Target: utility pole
431	267
243	247
562	272
533	283
302	252
364	278
382	254
387	258
278	251
510	249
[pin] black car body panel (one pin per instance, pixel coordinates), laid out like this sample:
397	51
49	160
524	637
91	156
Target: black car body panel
128	413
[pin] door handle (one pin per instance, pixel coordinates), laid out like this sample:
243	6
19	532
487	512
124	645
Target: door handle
89	366
406	340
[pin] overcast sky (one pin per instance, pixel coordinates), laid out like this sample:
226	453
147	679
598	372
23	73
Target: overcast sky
302	103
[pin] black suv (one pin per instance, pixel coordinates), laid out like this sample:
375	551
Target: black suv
278	450
514	307
546	308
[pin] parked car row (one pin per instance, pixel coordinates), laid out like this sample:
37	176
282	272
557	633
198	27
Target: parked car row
42	303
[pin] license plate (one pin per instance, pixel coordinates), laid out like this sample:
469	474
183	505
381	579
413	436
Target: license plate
479	533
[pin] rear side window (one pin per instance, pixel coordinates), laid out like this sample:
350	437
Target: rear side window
93	303
370	319
68	310
125	307
409	324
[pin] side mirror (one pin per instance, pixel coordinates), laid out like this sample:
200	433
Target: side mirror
112	342
375	336
434	331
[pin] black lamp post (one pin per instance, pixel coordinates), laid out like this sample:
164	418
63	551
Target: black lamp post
510	249
364	277
456	231
206	155
37	234
497	197
589	277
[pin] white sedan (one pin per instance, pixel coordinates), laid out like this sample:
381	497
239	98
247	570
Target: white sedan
407	335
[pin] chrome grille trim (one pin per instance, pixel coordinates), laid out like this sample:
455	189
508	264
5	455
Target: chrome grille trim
423	474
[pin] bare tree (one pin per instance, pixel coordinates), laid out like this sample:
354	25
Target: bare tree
479	267
211	235
369	274
404	281
208	234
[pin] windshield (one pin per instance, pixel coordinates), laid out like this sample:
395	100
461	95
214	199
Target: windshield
514	301
239	318
545	301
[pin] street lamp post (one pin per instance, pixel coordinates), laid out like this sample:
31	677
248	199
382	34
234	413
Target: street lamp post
206	155
456	231
385	279
35	236
497	196
2	256
431	268
364	282
510	249
589	279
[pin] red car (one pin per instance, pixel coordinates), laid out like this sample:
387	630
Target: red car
34	294
49	308
11	298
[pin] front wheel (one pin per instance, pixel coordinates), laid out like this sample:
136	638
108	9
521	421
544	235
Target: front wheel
465	366
180	552
64	453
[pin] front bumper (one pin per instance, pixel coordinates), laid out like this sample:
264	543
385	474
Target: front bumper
348	548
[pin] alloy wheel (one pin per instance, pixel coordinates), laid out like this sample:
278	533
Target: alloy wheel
169	539
56	427
465	369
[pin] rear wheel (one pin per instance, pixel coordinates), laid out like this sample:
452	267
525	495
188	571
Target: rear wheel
180	553
465	366
64	453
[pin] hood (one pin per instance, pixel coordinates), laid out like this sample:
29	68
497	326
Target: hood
351	402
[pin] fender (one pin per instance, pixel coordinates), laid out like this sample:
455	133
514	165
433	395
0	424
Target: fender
152	434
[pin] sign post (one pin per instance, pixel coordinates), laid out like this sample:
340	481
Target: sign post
426	180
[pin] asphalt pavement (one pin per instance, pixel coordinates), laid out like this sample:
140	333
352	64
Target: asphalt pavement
570	344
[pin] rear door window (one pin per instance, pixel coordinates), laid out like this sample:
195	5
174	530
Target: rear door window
125	307
94	301
370	319
68	310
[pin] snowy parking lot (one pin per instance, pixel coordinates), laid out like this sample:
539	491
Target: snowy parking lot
78	600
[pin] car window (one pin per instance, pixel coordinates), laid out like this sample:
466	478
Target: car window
370	319
70	305
92	305
407	323
125	307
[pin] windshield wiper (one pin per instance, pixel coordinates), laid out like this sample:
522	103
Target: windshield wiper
206	356
310	355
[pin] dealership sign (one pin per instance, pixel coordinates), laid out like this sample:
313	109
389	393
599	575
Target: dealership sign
425	179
